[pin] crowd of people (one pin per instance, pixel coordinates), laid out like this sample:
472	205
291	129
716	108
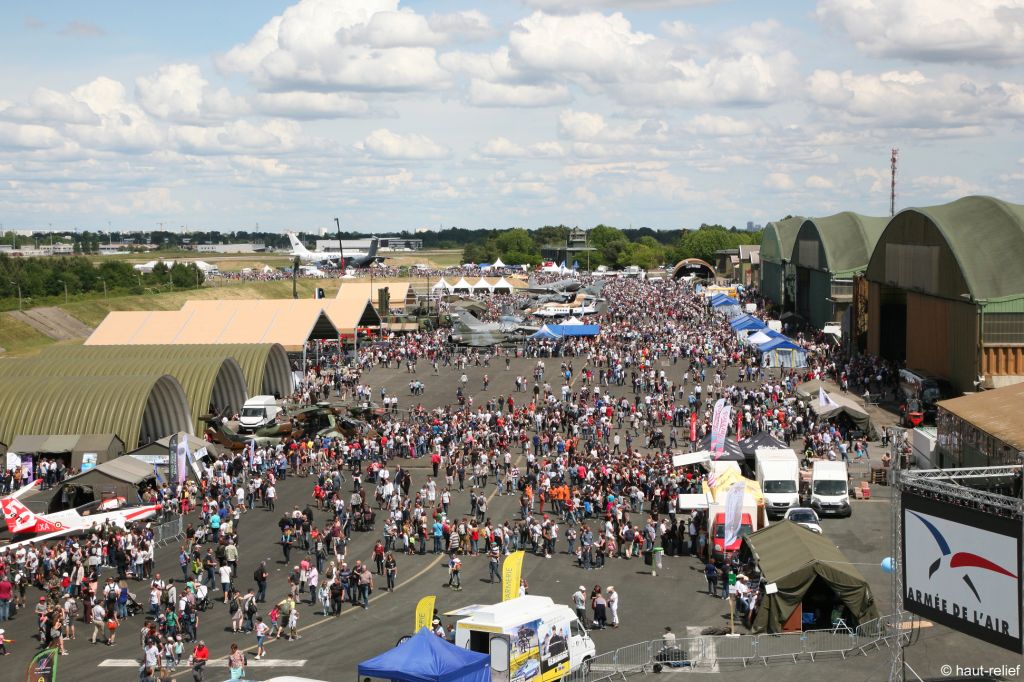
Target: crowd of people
581	442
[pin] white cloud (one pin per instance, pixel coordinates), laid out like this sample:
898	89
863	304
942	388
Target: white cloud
779	181
571	6
311	105
239	137
467	25
179	92
946	187
485	94
325	45
28	136
713	125
503	148
123	125
50	106
912	100
384	144
818	182
931	30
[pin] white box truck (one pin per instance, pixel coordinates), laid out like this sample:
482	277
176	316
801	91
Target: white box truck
778	474
257	412
830	489
547	641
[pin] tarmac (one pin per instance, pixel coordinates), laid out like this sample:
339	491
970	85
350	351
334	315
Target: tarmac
330	648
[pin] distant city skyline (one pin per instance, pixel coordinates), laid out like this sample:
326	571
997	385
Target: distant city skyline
407	115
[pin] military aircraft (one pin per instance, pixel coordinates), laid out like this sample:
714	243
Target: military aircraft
353	260
561	286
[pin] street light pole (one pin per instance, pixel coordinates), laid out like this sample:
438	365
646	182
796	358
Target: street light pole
18	284
65	290
104	287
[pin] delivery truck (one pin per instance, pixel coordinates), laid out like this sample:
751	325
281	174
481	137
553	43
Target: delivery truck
546	639
778	474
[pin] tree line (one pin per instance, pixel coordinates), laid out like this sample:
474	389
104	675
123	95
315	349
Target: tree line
613	247
43	277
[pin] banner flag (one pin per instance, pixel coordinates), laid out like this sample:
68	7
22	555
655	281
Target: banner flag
511	575
43	667
693	427
719	427
734	511
172	458
424	613
825	400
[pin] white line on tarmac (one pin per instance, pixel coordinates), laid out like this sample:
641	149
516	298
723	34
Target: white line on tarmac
215	663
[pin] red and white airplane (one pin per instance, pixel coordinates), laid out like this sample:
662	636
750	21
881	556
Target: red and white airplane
21	520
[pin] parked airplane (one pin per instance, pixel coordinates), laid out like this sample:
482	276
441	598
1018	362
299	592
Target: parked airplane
352	260
21	520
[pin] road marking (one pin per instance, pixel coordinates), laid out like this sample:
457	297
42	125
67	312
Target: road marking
215	663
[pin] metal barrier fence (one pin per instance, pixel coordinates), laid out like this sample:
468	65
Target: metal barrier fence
168	531
711	651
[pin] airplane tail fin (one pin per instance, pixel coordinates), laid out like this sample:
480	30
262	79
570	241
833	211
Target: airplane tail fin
373	247
21	519
297	246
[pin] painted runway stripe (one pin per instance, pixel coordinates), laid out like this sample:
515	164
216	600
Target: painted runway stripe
216	663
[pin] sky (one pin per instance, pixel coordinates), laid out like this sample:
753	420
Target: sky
405	115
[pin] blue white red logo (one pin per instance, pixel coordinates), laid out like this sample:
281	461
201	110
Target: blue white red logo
960	559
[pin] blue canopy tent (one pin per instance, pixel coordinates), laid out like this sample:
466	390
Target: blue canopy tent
544	333
726	304
782	352
425	657
743	323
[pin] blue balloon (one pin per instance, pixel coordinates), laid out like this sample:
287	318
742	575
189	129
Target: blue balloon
888	564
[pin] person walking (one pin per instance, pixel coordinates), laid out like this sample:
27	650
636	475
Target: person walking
200	657
613	605
391	570
493	563
261	631
711	574
236	662
454	572
579	602
260	575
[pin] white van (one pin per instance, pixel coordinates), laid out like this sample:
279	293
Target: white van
547	641
778	474
830	489
257	412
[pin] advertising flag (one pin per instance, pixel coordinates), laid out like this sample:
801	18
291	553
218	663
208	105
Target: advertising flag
184	455
693	427
719	427
511	575
739	424
172	458
734	511
424	613
43	667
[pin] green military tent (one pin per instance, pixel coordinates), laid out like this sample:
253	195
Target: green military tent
793	559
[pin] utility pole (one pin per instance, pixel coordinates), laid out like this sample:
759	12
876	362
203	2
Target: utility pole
892	185
341	251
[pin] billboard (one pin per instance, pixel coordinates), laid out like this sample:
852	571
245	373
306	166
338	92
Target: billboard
962	568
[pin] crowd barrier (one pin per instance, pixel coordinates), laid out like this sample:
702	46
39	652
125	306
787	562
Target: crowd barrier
168	531
712	651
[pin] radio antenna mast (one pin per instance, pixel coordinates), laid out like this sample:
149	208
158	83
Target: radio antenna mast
893	160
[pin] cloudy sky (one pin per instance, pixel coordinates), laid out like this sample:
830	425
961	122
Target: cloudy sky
399	115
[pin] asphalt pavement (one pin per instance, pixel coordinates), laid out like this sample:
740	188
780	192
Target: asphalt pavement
330	648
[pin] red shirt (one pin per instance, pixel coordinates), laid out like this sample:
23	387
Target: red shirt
6	589
201	653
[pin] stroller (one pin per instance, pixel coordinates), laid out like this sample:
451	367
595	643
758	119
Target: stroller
365	519
132	605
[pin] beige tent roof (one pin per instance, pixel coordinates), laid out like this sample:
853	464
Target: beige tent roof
350	312
289	322
355	291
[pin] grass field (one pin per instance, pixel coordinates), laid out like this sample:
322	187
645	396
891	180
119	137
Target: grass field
17	338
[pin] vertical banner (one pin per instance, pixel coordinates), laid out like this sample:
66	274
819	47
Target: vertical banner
739	424
43	667
424	613
511	575
734	511
693	427
172	458
719	427
183	457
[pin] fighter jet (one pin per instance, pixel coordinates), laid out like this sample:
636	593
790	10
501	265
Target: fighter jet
561	286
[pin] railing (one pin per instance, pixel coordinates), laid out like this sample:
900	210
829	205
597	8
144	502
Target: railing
168	531
711	651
